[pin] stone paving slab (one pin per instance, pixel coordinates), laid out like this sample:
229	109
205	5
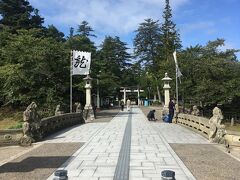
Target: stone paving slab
174	133
97	159
79	133
150	154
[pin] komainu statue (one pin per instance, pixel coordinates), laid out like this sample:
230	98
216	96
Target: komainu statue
217	130
195	111
78	107
31	125
58	110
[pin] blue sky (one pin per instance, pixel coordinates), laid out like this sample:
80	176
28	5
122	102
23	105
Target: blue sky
198	21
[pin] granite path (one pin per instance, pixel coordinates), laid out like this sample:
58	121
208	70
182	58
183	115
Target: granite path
121	146
150	153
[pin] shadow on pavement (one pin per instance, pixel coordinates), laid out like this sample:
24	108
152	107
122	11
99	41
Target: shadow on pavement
39	163
32	163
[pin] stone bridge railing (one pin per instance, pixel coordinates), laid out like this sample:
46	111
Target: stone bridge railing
203	126
43	128
55	123
197	123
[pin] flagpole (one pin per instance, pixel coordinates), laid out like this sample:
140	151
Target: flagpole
176	85
71	57
176	68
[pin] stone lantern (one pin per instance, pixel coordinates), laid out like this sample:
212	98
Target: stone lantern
166	88
88	86
88	109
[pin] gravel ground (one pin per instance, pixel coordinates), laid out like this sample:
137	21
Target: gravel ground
206	162
12	151
39	163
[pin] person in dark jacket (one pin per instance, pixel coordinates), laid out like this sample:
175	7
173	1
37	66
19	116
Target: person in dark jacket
171	107
122	105
151	115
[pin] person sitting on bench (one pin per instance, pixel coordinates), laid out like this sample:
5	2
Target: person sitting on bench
151	115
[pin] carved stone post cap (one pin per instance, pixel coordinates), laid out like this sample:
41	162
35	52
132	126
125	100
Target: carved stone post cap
166	78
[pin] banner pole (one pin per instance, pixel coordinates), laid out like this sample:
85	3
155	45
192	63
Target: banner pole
176	85
71	57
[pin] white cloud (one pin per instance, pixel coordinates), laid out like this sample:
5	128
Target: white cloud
108	16
206	27
228	45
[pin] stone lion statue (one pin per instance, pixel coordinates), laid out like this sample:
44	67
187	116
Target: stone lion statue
30	114
78	108
31	125
217	130
58	110
195	111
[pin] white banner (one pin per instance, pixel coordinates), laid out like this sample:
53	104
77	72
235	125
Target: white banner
81	62
179	74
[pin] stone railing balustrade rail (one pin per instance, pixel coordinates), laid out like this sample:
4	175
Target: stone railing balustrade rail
197	123
47	126
208	129
55	123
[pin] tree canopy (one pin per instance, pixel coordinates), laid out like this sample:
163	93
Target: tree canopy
19	14
35	61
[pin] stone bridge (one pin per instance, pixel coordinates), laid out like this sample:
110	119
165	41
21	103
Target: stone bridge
122	145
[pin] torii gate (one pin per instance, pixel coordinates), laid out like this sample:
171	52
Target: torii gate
128	90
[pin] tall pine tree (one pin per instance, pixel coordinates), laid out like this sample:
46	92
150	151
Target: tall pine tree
19	14
147	42
114	64
85	30
171	38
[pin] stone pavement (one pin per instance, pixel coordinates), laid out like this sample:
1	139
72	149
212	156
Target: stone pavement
127	147
150	153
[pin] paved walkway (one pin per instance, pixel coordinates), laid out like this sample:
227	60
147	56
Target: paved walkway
128	147
150	153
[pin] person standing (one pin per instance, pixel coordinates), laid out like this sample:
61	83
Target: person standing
171	106
128	104
122	105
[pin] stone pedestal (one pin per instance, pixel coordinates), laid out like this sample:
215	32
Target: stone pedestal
88	114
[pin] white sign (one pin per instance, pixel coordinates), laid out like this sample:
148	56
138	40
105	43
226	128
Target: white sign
81	62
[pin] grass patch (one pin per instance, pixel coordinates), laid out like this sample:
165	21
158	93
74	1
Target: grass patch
236	127
18	125
10	118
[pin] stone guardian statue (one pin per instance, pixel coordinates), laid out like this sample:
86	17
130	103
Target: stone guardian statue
195	111
31	125
217	130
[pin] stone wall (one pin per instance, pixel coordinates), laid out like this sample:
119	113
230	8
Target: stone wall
55	123
46	126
